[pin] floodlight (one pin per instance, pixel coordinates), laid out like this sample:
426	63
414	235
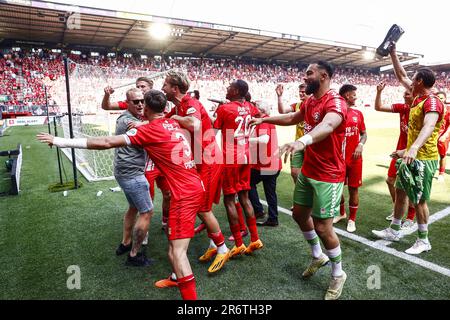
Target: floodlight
159	31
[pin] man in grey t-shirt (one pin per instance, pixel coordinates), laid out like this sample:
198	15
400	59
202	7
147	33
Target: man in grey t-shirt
129	165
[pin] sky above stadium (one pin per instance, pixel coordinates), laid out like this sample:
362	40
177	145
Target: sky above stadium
352	21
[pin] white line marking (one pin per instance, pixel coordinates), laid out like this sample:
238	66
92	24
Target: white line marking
433	218
379	246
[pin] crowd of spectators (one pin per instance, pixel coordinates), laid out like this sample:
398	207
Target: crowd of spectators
23	74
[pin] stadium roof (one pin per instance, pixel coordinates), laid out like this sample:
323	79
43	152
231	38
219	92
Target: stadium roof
63	25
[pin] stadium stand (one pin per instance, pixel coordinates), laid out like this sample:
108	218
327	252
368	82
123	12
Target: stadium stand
24	73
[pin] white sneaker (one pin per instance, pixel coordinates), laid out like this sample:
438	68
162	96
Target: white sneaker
407	225
419	247
440	178
387	234
338	218
335	288
351	226
390	217
145	241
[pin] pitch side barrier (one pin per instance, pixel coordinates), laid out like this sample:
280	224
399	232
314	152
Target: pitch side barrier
2	127
14	165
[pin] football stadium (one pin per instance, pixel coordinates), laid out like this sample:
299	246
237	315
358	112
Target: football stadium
104	196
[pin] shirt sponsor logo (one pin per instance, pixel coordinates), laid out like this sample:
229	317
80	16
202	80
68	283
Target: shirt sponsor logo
132	132
308	127
190	164
168	126
191	110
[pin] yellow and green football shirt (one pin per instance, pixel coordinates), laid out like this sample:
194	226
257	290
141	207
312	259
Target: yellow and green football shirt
420	107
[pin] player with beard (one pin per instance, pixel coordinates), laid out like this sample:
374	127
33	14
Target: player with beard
320	183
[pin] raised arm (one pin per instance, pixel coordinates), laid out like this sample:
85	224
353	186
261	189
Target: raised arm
378	105
399	71
281	108
106	104
98	143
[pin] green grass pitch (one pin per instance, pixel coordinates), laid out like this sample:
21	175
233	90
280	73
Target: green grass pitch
43	233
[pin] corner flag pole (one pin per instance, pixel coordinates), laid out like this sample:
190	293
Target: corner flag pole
69	111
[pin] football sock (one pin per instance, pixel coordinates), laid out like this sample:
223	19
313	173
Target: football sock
251	223
187	287
335	256
313	240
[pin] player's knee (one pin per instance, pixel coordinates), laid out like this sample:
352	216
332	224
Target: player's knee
146	215
298	217
353	192
229	201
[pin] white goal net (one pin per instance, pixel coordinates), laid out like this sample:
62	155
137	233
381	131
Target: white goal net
87	83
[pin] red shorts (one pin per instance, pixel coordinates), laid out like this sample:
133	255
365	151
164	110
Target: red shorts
236	179
392	172
161	182
211	176
442	148
182	215
218	194
353	173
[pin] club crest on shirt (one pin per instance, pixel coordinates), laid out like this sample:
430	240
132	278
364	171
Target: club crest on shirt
132	132
355	119
316	117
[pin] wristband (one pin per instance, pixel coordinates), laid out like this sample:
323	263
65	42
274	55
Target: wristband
361	144
306	140
70	143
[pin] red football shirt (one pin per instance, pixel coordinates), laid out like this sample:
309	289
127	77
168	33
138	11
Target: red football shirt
324	160
204	139
166	145
403	110
265	156
353	128
233	120
446	121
